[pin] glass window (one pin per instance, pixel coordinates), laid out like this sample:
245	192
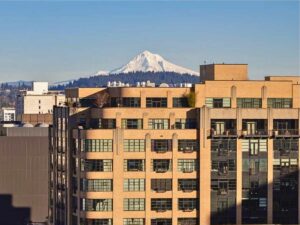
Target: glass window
185	124
95	221
134	165
161	221
218	102
103	123
134	145
132	123
156	102
161	145
95	185
249	102
161	165
187	204
96	204
180	102
125	102
187	185
134	204
187	145
161	185
134	221
161	204
134	185
187	165
97	165
280	103
158	124
97	145
187	221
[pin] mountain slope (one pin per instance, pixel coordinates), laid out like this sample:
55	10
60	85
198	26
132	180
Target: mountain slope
149	62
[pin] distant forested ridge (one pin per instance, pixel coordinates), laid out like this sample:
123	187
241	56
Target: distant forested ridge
170	78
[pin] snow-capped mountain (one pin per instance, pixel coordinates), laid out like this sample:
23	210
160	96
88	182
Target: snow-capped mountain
147	61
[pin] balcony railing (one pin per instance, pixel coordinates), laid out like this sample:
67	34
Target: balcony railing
285	132
254	133
226	133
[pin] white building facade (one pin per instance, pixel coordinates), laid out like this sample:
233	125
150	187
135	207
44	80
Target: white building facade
7	114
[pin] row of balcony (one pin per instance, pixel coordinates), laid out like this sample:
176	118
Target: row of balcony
253	133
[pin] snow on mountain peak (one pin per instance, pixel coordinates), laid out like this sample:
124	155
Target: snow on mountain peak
147	61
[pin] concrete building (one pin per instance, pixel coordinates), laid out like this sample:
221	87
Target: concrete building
24	174
7	114
225	151
39	100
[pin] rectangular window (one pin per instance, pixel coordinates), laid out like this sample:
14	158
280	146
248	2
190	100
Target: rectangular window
161	165
96	221
280	102
187	204
161	204
134	165
97	145
134	145
96	185
96	204
125	102
132	123
187	185
185	124
223	146
134	204
160	145
96	165
187	165
103	123
218	102
180	103
134	221
249	102
158	124
286	144
134	185
187	145
187	221
156	102
161	221
161	185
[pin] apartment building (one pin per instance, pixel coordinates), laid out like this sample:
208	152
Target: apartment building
225	151
38	101
7	114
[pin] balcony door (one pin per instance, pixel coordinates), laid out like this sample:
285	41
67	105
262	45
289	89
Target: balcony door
220	127
251	127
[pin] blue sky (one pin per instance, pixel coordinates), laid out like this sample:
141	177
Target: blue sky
56	41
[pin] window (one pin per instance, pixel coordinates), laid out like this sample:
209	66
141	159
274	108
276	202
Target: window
125	102
249	102
95	221
134	145
185	124
158	124
180	103
132	123
187	204
134	185
187	185
134	221
134	165
187	145
187	165
187	221
103	123
161	221
96	185
218	102
223	146
280	103
159	145
134	204
161	185
96	204
286	144
87	102
156	102
161	204
97	145
97	165
263	165
161	165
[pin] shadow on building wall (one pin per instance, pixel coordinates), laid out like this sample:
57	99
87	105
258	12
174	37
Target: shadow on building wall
10	215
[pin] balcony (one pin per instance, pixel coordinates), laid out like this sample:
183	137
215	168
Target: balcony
222	133
254	133
285	133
